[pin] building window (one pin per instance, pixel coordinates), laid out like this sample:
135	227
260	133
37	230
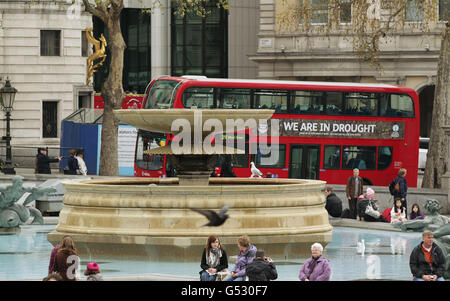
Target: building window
136	32
444	7
135	27
50	42
199	45
319	11
84	44
361	157
345	12
332	157
414	11
49	119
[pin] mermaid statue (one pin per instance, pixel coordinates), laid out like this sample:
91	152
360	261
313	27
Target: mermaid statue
12	213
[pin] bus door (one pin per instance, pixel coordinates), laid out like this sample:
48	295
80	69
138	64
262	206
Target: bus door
304	161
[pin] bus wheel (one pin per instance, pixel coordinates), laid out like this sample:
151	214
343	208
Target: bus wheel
367	182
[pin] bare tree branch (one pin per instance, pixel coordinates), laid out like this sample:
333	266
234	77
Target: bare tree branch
95	11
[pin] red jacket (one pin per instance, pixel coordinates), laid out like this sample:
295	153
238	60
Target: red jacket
52	258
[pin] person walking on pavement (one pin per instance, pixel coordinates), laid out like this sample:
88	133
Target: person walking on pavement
43	161
262	268
402	188
353	190
72	163
427	261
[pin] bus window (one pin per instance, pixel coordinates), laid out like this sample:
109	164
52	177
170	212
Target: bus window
261	154
271	99
361	157
384	157
148	141
362	104
307	102
198	97
334	103
332	157
397	105
234	99
160	95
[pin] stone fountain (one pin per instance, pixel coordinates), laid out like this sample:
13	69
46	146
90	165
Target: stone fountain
151	218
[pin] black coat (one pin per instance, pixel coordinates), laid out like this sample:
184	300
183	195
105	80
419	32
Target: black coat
73	165
43	163
261	270
419	266
223	264
334	205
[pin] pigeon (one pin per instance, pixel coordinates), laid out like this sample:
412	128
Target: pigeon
215	219
255	171
360	247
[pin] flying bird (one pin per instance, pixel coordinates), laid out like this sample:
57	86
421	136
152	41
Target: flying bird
215	219
255	171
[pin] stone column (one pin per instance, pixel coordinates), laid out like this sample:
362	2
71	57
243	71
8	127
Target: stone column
160	37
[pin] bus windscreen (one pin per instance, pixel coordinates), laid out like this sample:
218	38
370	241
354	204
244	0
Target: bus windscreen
161	95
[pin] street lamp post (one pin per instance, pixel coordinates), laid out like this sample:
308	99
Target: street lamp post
8	94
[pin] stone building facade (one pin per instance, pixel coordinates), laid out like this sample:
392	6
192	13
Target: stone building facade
409	56
43	51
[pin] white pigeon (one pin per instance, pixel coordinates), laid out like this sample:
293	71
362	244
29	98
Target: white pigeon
255	171
360	247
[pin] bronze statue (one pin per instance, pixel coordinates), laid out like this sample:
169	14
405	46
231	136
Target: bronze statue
99	53
13	214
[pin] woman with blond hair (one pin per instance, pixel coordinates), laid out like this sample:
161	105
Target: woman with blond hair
214	259
66	260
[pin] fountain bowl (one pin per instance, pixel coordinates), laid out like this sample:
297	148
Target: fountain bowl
151	217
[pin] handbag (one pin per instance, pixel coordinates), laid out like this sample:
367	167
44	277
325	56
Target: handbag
372	212
397	187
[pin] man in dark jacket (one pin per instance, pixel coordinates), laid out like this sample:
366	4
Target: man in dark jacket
427	261
403	188
353	190
43	161
334	203
262	268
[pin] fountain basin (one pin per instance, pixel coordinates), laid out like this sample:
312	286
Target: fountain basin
151	217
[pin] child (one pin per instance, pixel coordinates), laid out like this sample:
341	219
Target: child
415	212
93	272
398	212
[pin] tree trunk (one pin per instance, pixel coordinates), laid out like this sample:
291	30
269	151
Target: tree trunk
437	156
113	94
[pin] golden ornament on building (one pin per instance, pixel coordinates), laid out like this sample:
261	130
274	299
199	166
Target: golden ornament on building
99	53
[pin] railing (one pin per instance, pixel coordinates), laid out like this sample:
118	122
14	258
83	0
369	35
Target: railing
24	156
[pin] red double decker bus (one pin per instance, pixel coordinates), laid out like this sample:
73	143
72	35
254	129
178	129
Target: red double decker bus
326	129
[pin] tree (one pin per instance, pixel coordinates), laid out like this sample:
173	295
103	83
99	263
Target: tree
374	22
108	11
